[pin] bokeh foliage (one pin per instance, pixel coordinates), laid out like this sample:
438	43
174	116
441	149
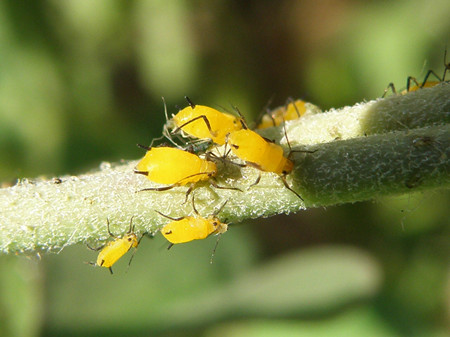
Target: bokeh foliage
81	81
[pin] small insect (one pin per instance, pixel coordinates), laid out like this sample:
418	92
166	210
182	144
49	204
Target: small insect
292	110
114	250
176	167
412	84
262	154
203	122
188	228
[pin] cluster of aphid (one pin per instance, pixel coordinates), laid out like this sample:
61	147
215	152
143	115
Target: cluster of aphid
161	165
210	126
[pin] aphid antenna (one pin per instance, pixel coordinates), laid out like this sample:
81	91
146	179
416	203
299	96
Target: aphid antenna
165	109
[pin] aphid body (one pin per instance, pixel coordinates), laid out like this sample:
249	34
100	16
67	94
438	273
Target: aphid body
291	111
203	122
115	249
258	152
167	165
190	228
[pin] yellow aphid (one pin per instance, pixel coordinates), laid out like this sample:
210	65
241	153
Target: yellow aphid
203	122
117	248
249	146
176	167
168	165
266	156
291	111
189	228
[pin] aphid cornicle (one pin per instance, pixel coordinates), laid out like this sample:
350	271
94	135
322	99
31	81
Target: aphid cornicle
114	250
203	122
174	167
189	228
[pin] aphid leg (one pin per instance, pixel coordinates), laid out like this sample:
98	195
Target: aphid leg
226	151
291	101
286	136
256	182
301	151
408	82
164	188
187	193
110	270
425	79
390	86
95	249
193	206
212	156
215	247
220	209
205	119
170	246
283	179
446	65
131	258
168	217
213	183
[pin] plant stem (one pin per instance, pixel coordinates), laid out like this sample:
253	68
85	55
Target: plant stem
385	147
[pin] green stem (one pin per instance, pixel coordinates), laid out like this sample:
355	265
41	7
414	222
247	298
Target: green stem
384	147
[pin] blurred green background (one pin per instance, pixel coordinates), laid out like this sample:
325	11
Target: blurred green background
81	82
